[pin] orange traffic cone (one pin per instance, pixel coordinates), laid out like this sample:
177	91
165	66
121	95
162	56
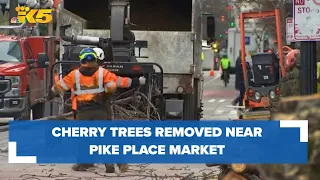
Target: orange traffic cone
211	72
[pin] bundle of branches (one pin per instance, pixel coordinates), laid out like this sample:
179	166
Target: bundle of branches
137	106
130	105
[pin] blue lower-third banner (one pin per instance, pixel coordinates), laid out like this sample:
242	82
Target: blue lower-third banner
215	142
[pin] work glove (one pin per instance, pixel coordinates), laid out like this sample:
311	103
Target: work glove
142	80
110	90
50	95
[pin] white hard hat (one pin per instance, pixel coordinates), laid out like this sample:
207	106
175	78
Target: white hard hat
100	53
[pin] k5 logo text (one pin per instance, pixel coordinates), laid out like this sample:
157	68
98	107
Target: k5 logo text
32	16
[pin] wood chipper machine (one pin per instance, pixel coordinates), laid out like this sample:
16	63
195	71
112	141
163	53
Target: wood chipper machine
261	78
144	102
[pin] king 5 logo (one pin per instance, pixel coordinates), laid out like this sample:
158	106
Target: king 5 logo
32	16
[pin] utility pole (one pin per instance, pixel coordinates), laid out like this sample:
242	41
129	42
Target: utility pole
308	55
308	68
12	9
12	13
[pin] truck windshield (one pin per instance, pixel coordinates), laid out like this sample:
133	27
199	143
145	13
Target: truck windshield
10	51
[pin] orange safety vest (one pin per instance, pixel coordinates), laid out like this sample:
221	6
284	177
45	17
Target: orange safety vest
86	87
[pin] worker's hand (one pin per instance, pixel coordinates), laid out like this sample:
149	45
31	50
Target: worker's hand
110	90
142	80
50	95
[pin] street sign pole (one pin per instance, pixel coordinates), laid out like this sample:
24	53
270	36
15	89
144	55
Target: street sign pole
308	68
292	43
306	30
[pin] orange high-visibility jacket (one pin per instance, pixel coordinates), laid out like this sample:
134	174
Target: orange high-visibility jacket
56	78
84	88
73	102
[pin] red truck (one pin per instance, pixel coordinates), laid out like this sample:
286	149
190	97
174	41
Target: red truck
24	76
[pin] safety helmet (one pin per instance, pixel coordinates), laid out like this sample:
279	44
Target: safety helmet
100	53
87	54
291	57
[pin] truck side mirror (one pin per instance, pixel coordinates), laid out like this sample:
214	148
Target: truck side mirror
30	63
208	28
43	60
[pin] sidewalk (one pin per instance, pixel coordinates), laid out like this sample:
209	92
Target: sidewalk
64	172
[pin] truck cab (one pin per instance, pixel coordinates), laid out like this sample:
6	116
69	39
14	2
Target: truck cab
23	77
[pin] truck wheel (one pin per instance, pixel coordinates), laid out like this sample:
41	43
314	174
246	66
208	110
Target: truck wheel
189	108
26	114
38	111
200	111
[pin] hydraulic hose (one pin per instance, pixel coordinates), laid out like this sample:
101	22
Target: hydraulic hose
74	39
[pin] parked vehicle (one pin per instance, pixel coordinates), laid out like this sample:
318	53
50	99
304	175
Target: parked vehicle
251	43
23	79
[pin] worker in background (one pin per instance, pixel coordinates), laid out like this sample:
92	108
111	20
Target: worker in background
289	84
239	82
90	83
318	76
225	66
202	56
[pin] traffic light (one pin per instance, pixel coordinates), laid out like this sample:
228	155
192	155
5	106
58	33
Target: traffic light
231	24
215	45
267	35
220	35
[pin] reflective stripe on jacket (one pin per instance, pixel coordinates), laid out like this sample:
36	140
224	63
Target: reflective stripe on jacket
85	88
87	85
123	82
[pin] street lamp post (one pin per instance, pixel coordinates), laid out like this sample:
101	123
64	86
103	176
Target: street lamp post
12	9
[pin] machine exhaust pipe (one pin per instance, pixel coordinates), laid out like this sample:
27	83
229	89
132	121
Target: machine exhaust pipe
74	39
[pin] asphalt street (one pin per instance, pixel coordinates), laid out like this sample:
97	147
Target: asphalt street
216	97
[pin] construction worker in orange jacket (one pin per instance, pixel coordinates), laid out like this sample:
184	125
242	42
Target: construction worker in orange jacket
90	83
100	57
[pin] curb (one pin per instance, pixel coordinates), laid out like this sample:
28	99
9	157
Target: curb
4	128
